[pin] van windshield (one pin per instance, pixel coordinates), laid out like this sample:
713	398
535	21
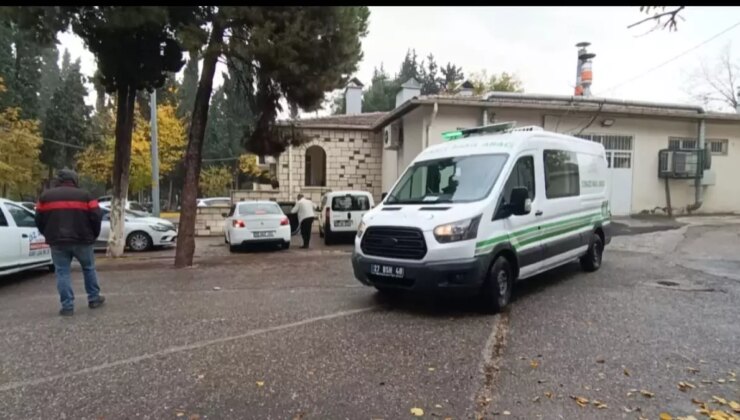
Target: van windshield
448	180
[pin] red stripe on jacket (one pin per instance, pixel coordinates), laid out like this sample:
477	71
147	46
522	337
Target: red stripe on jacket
67	205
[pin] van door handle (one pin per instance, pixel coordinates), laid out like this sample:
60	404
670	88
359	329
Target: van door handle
538	213
24	235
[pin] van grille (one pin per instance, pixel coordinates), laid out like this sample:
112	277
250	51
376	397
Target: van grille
394	242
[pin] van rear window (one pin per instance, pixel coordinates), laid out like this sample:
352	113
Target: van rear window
350	203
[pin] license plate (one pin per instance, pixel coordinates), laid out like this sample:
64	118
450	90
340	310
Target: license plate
342	223
265	234
386	270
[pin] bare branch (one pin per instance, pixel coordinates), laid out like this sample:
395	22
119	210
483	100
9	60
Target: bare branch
671	23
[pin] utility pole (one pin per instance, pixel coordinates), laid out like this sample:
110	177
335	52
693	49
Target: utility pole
155	154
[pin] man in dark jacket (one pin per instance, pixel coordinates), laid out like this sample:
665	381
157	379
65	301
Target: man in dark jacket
69	218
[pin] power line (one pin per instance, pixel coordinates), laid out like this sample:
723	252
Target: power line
671	59
75	146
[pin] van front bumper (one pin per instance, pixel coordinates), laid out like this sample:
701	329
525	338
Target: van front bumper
464	275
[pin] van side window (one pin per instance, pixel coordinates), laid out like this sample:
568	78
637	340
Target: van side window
562	178
3	221
521	176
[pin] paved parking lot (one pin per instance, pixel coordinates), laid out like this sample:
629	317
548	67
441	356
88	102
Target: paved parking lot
291	334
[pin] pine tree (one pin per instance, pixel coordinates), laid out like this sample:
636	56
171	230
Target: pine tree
50	76
188	87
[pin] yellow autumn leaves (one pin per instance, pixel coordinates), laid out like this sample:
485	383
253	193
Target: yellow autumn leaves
20	145
96	161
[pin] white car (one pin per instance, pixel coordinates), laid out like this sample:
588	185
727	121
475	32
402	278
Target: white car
142	232
22	246
253	222
341	213
134	206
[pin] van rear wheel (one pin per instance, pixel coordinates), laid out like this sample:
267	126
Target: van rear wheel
592	260
498	285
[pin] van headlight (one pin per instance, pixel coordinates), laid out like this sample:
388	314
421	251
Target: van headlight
360	229
458	231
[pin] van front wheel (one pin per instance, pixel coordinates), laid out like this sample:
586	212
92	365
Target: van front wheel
498	285
592	260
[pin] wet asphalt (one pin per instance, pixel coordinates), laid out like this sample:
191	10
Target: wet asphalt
290	334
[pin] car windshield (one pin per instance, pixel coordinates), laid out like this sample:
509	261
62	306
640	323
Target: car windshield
350	202
448	180
131	213
252	209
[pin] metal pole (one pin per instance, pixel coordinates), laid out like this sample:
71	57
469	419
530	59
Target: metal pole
155	155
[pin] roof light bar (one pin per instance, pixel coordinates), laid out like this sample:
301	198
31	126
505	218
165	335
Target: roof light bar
485	129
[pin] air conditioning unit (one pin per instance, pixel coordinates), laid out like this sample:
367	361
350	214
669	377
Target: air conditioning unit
682	163
392	137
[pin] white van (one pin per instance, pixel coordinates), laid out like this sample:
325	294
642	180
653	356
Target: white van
488	206
341	212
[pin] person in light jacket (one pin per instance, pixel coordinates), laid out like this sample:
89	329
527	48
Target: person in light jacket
304	208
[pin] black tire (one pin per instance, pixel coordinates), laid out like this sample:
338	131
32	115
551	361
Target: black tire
498	285
233	248
139	241
328	237
592	260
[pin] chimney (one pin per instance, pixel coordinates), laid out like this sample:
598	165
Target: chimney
408	90
466	89
584	75
353	97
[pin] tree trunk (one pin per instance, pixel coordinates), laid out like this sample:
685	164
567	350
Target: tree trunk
169	197
193	155
121	168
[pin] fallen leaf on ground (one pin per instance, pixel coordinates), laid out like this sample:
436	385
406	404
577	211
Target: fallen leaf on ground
418	412
437	406
600	405
721	381
600	360
686	418
719	415
534	364
735	406
626	372
695	401
431	369
629	410
646	393
692	369
665	416
706	381
536	399
719	400
260	383
683	386
581	401
506	413
180	414
548	394
216	288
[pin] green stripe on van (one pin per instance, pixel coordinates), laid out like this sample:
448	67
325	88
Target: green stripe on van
524	237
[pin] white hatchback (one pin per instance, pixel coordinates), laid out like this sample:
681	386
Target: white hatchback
22	246
256	222
142	232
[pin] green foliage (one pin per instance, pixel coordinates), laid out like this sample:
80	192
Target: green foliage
51	77
67	118
503	82
186	93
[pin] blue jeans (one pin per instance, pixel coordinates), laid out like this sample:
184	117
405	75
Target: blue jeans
62	256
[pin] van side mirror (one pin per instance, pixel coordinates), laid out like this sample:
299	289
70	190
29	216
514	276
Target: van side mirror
383	196
520	203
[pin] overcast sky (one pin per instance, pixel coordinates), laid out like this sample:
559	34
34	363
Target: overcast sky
538	44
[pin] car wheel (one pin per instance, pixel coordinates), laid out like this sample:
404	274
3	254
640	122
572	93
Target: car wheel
498	285
139	241
328	237
233	248
592	260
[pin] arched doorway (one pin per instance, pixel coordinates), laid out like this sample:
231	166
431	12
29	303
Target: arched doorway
315	167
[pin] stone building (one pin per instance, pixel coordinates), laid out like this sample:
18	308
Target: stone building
343	153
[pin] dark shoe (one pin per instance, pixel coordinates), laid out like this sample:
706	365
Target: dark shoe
66	312
95	304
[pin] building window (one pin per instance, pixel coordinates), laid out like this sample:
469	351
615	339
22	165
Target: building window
718	147
562	178
261	160
315	167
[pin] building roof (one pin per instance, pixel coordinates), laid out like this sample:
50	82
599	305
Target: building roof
364	121
573	104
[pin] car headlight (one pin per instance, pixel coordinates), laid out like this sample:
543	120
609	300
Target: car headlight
160	227
458	231
360	229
